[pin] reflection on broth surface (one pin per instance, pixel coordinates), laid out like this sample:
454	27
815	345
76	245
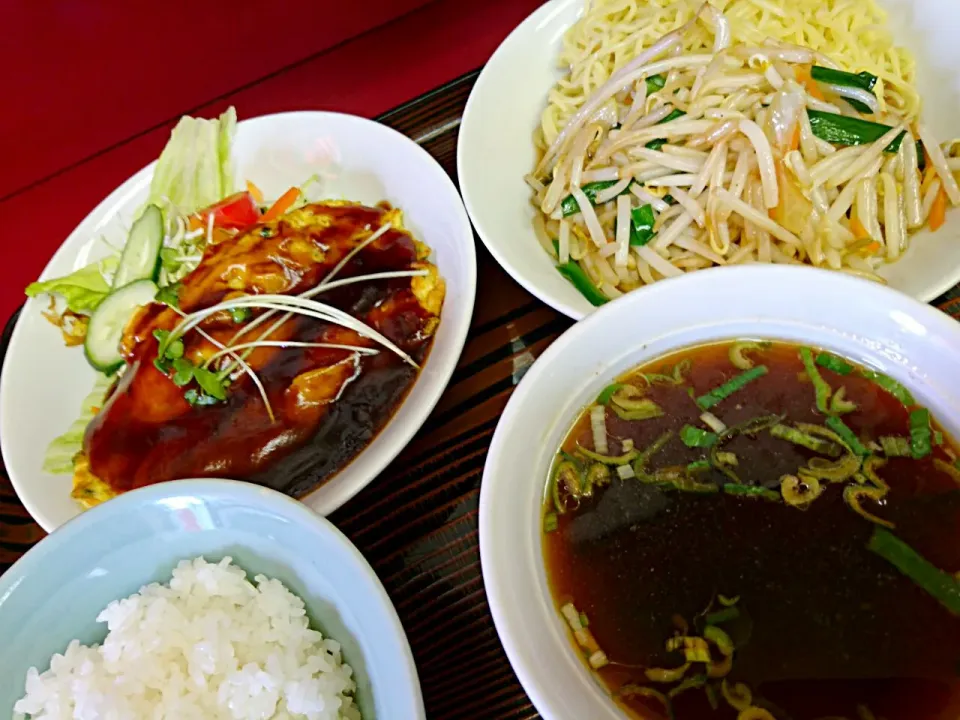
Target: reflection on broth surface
770	532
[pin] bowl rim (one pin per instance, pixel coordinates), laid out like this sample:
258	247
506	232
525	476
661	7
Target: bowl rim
496	556
334	492
242	492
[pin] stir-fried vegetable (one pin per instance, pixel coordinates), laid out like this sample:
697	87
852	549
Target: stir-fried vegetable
920	434
845	130
820	387
569	206
728	388
578	278
943	586
641	225
863	80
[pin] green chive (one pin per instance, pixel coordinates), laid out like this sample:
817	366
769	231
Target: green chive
578	278
654	83
863	80
656	144
569	206
891	386
920	433
942	586
730	387
843	130
697	438
641	225
604	397
820	386
834	363
674	114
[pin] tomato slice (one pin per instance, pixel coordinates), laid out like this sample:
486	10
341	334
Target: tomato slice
237	212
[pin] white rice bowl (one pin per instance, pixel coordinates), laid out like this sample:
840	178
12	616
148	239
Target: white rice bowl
210	644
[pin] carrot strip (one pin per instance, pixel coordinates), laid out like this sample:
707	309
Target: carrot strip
255	191
806	79
857	228
282	204
938	212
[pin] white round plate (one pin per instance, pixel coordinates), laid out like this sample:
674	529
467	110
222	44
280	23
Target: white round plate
886	330
44	383
495	149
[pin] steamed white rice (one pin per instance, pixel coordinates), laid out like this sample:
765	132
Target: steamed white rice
208	645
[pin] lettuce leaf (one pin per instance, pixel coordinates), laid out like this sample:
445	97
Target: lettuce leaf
195	169
58	459
82	289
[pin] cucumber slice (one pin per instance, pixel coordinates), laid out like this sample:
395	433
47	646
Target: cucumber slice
141	254
102	346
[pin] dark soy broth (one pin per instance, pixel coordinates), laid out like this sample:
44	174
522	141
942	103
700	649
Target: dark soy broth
823	627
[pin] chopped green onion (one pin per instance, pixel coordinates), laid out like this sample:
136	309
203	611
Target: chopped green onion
731	386
728	602
719	638
847	435
640	464
550	522
942	586
894	446
937	437
641	225
891	386
920	433
722	616
811	442
604	397
737	357
697	438
698	466
820	386
690	683
645	409
569	206
834	363
584	620
751	491
840	404
627	457
844	130
654	83
863	80
578	278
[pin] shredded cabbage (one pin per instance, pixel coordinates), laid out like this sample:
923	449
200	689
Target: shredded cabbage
63	449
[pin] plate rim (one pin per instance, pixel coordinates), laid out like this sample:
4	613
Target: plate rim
342	493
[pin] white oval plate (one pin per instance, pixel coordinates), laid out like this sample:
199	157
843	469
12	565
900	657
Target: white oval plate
44	383
914	343
495	148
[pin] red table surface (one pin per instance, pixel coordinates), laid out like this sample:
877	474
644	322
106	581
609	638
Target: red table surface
97	86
